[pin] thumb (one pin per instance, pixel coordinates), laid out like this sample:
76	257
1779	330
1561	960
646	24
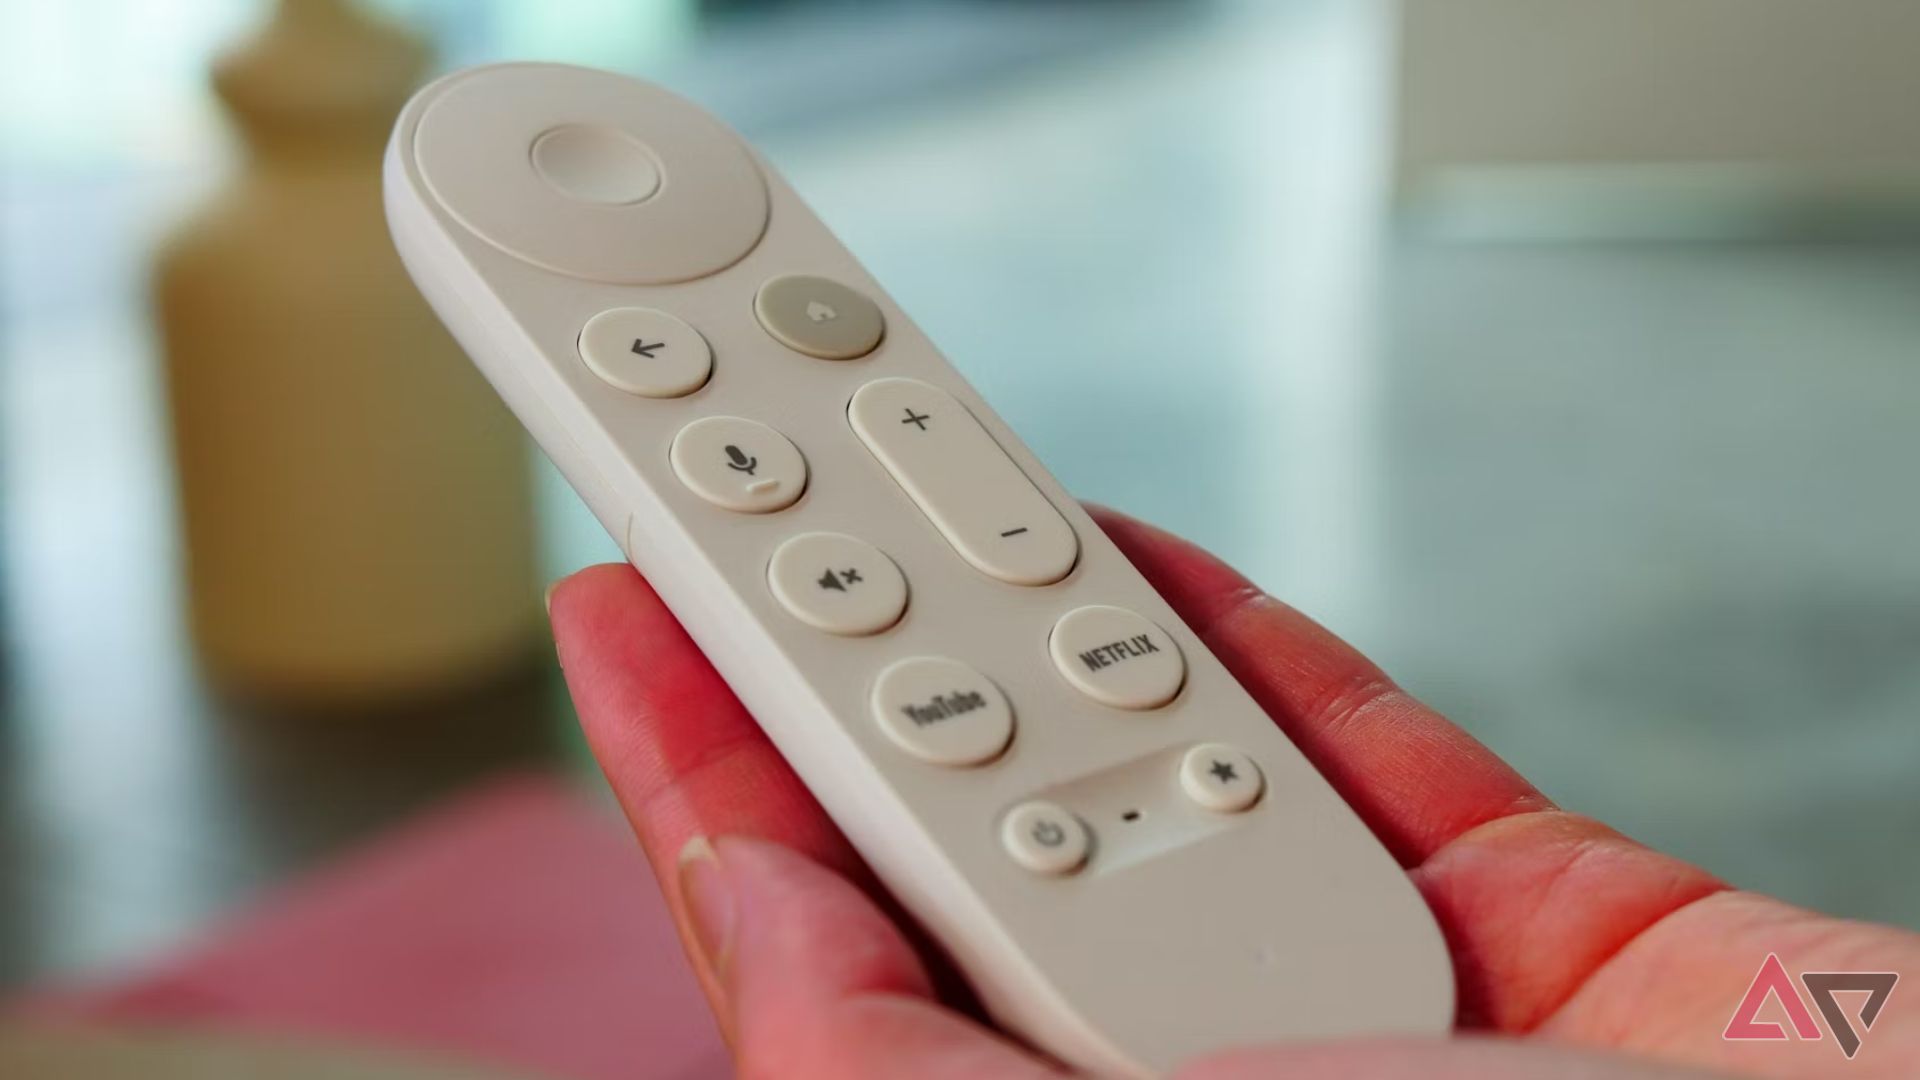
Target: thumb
818	981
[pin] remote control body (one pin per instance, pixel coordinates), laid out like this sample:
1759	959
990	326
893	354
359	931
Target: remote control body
1119	849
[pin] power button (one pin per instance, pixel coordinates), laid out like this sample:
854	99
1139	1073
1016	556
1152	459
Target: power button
1045	838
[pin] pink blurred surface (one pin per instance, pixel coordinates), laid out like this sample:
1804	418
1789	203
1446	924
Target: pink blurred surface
518	925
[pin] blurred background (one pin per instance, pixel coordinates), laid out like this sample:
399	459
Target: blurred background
1562	354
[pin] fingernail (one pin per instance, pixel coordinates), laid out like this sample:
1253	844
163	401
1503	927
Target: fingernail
708	899
549	599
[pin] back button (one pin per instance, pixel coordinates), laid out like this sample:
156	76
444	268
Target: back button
646	352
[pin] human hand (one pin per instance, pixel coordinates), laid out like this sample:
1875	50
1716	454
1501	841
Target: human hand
1579	953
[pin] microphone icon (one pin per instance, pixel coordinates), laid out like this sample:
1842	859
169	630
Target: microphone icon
740	461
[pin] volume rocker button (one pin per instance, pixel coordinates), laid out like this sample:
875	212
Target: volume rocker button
965	484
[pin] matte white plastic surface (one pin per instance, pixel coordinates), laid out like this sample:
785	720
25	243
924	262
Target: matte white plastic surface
1305	928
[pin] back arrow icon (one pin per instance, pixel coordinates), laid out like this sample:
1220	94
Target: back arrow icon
640	346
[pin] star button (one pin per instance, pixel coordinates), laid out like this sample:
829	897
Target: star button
1221	778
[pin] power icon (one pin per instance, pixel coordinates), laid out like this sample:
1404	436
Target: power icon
1046	838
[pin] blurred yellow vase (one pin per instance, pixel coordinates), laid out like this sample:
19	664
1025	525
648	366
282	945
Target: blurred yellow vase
357	506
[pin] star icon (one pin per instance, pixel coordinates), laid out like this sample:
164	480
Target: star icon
1224	772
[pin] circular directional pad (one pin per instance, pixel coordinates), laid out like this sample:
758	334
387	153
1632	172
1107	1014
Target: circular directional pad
591	175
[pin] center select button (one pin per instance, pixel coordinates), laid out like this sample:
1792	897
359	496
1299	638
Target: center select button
966	485
594	164
942	711
1117	657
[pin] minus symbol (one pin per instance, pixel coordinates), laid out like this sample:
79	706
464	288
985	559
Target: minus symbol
1015	532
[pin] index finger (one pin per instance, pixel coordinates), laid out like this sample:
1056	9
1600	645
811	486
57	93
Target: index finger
1417	779
683	756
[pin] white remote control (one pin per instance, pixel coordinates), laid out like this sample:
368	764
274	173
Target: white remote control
1123	854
